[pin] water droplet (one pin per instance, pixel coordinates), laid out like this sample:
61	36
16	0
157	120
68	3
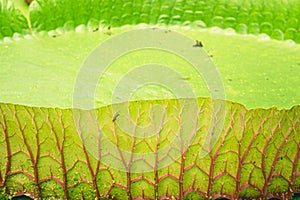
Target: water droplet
81	28
198	24
59	31
218	21
69	26
17	37
229	31
216	30
43	33
242	29
52	33
254	28
290	43
263	37
7	40
93	25
28	37
277	34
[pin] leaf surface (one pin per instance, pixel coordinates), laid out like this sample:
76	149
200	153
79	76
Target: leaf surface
49	153
256	156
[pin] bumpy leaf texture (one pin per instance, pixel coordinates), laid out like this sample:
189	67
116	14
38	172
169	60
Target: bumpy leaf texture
278	18
257	154
11	21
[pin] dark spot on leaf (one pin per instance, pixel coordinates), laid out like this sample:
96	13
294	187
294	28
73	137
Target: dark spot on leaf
22	197
229	79
296	195
115	117
96	29
198	44
109	33
54	36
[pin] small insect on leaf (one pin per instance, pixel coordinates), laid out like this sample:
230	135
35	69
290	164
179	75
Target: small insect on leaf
115	117
198	44
95	29
108	31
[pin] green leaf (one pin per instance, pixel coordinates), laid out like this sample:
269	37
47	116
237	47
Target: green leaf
256	156
46	69
278	18
11	21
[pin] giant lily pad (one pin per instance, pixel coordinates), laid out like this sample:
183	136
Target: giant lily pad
51	153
